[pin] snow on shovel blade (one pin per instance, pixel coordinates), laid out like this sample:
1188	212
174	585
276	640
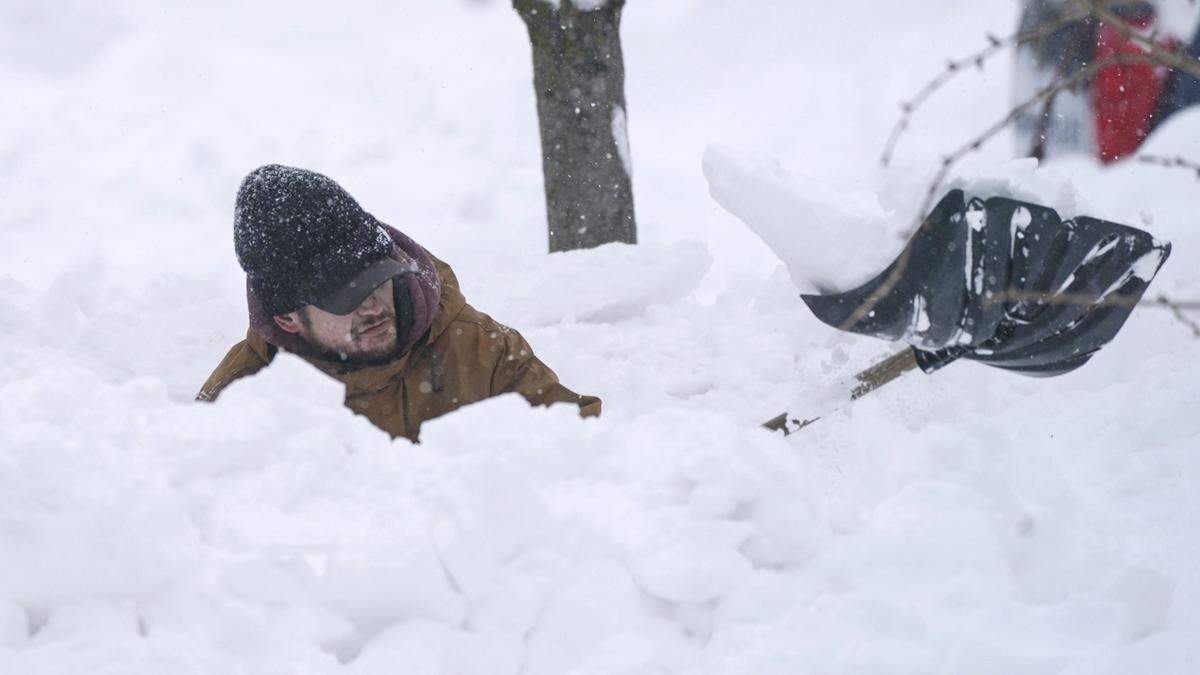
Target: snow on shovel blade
1003	282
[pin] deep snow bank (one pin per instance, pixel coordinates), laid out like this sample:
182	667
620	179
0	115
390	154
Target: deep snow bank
967	522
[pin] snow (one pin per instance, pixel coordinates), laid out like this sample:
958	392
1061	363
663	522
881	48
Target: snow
920	321
1177	17
969	521
1103	248
588	5
810	225
620	134
1145	266
1024	179
1021	219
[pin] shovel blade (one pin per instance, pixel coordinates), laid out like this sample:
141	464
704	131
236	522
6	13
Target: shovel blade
1003	282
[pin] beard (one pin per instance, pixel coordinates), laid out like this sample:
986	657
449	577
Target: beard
371	341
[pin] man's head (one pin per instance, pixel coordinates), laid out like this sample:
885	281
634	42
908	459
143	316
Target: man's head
301	238
366	335
318	263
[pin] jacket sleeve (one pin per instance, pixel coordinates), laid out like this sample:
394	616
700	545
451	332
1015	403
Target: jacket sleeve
242	360
521	371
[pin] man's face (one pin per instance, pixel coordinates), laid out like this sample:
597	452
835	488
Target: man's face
366	335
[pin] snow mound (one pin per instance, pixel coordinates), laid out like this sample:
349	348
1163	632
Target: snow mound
1176	137
965	522
816	229
833	238
607	284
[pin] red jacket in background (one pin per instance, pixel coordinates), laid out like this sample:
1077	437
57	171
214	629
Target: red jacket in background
1125	96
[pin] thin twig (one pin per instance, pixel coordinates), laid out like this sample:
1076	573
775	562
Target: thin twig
1097	9
1049	90
1038	149
1170	162
950	160
1175	58
1085	300
1177	309
954	67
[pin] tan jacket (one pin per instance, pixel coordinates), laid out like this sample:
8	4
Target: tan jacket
466	357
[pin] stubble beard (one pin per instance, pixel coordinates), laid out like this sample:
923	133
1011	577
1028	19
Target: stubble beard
360	349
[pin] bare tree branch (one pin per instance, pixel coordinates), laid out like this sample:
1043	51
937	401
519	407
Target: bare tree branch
1170	162
1085	300
954	67
1046	92
1175	58
974	144
1177	309
1097	10
1083	9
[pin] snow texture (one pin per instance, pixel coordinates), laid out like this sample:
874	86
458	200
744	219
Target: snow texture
964	522
588	5
812	226
620	134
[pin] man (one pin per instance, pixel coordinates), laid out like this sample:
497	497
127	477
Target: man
369	307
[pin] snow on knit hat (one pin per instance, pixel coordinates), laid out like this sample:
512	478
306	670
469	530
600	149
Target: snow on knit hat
301	237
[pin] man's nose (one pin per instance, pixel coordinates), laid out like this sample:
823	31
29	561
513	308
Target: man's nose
371	304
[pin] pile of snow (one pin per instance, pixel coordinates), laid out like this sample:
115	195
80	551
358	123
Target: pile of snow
813	227
607	284
817	229
970	521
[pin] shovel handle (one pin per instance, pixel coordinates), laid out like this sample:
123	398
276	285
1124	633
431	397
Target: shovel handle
787	425
883	372
869	380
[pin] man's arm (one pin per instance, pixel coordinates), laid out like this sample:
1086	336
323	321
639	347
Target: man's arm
245	358
521	371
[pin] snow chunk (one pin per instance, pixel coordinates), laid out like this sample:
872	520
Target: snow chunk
1021	219
691	573
422	647
1147	266
1101	249
1147	595
920	318
1022	180
809	225
1144	268
14	625
977	219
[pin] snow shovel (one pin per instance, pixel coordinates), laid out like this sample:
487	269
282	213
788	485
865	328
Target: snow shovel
999	281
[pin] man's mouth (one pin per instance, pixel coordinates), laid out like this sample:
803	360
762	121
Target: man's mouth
374	329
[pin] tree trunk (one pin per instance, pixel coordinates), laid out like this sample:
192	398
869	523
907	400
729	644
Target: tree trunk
579	78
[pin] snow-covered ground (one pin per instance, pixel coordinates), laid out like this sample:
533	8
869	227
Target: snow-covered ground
967	522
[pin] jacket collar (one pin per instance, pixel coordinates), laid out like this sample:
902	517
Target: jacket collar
365	379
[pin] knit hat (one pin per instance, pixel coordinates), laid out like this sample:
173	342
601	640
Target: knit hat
303	240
